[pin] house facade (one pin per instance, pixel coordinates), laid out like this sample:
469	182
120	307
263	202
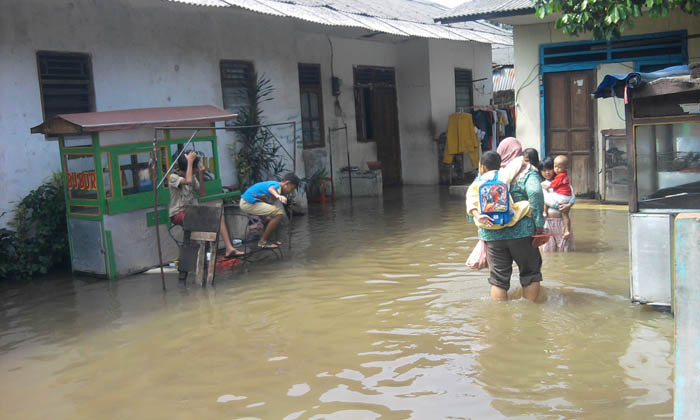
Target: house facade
390	79
555	75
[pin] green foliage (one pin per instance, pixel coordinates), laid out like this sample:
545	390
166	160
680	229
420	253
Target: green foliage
607	18
256	156
40	239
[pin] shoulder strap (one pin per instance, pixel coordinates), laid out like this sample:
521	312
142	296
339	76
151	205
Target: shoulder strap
495	176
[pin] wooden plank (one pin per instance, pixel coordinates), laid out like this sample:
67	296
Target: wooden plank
201	258
686	390
211	267
203	236
578	173
579	92
557	100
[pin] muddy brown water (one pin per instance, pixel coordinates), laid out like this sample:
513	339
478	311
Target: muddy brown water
372	315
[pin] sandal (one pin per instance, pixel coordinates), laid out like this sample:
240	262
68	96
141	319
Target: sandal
268	245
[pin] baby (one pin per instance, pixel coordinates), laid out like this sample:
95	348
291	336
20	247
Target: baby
557	189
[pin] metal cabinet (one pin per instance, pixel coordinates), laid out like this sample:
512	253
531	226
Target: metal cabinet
651	258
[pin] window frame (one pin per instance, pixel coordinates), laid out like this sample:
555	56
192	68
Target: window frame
41	55
230	83
365	78
469	86
318	91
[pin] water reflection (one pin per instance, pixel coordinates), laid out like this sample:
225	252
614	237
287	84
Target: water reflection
372	315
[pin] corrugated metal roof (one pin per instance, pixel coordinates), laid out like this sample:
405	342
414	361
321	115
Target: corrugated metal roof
409	18
487	7
502	55
89	122
503	78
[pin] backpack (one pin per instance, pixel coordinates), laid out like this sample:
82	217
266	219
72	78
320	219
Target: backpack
494	200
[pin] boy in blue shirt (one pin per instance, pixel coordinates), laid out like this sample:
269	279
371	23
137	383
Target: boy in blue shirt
258	198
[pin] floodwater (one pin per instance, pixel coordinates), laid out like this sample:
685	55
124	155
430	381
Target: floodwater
372	315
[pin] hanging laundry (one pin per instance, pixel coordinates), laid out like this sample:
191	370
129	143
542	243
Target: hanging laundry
481	121
461	138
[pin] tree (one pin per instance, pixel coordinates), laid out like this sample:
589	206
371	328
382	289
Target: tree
608	18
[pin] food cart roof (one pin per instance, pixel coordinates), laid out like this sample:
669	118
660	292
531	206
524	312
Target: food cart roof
614	84
126	119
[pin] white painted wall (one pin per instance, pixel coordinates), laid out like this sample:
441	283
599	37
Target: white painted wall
418	147
445	56
610	113
150	53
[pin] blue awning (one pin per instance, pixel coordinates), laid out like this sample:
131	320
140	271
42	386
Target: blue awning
614	84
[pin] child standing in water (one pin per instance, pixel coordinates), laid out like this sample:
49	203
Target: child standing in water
557	190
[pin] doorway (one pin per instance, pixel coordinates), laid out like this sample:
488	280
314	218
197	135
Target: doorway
569	125
376	116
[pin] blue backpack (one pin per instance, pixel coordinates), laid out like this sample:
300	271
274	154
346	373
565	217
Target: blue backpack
494	200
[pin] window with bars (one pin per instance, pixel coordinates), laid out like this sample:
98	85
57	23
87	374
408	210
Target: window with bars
464	95
366	79
65	82
662	49
311	105
235	80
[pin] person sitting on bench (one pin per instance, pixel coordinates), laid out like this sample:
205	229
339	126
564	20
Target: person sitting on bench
182	186
257	200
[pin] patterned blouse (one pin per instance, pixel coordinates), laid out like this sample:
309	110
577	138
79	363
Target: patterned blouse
526	187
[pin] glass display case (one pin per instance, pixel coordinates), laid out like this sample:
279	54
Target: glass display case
668	166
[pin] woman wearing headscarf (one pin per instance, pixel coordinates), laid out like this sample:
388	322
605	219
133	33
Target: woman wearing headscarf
516	243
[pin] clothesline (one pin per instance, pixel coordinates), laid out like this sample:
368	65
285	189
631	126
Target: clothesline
475	108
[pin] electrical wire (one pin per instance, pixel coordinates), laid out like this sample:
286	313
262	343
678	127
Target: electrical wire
617	111
526	83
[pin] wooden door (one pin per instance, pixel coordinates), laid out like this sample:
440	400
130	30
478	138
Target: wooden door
386	126
569	121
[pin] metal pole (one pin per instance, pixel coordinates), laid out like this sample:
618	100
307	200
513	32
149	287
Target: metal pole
330	154
347	148
155	203
294	127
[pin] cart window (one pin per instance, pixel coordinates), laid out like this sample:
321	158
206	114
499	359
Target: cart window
106	175
165	162
84	210
185	134
77	141
134	172
205	151
668	166
81	179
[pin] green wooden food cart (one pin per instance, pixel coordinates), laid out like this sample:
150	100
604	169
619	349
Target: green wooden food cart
106	162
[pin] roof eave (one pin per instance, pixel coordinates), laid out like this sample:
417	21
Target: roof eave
56	126
485	15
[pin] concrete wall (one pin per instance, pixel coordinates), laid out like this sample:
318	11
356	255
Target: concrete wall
610	113
152	53
445	56
418	150
526	42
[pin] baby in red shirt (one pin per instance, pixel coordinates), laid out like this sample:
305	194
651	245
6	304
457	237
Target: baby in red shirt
558	191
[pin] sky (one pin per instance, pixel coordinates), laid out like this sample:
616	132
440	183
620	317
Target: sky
450	3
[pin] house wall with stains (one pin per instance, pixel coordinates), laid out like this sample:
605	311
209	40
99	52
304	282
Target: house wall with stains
151	53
